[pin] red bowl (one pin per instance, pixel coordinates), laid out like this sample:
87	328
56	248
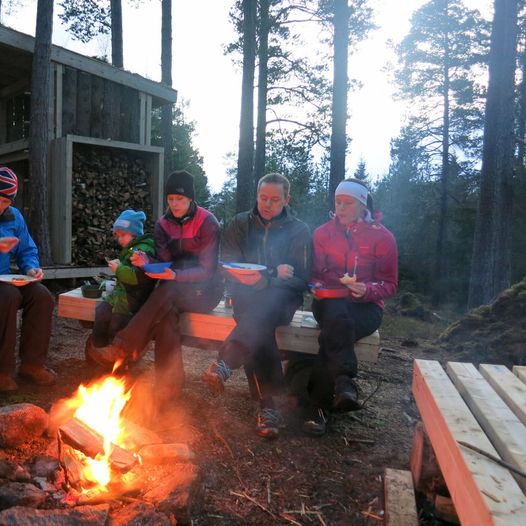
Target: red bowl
328	293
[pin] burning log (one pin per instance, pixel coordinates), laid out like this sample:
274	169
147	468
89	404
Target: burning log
81	437
162	453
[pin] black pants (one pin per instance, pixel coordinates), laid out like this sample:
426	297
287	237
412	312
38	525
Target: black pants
37	304
311	378
252	343
107	324
159	317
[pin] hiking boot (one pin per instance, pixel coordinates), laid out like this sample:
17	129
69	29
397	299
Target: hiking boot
38	374
106	356
7	384
345	395
269	421
216	376
315	422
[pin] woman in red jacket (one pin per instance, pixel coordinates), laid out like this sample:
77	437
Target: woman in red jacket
357	256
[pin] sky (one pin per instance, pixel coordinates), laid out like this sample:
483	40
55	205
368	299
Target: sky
210	84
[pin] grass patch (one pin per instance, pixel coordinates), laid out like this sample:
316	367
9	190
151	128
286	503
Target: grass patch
394	326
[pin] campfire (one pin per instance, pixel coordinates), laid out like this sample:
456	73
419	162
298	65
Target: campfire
93	444
100	456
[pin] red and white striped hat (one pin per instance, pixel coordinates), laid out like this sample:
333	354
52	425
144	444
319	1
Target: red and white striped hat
8	183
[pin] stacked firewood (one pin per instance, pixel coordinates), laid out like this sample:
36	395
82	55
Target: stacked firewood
105	182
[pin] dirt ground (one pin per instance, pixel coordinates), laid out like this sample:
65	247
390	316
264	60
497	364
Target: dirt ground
296	479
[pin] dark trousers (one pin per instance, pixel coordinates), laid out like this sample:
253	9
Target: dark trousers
37	304
107	324
159	317
311	379
252	343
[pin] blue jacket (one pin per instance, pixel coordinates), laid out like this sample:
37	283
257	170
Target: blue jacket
12	224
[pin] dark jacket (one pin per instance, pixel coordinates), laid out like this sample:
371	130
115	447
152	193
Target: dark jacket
367	250
133	286
191	244
283	240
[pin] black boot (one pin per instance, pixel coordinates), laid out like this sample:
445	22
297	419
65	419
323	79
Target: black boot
345	395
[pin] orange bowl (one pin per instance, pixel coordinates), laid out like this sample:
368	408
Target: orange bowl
330	293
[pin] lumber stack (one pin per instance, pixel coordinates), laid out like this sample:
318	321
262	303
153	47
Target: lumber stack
477	436
105	182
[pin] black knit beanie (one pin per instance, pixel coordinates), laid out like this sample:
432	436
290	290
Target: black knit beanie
180	182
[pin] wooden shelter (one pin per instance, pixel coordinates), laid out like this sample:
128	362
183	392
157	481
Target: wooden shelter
92	104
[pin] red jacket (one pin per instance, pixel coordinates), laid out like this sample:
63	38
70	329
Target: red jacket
367	250
192	244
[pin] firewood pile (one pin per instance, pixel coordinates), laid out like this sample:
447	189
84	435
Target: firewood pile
105	182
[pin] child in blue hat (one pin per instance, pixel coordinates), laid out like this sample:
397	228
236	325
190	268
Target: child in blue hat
132	286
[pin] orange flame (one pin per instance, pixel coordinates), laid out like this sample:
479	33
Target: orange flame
100	406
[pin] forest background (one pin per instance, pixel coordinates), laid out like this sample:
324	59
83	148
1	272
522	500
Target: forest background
455	189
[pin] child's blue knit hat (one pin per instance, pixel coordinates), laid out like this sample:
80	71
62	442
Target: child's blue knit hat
130	221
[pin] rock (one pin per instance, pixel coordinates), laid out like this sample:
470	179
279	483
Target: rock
20	422
11	471
44	484
80	516
139	514
20	494
178	494
44	467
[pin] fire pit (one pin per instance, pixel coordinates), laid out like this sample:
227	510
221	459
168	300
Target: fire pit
105	458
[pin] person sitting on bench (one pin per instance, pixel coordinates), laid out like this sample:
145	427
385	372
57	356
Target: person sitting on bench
268	235
132	286
33	298
353	254
187	236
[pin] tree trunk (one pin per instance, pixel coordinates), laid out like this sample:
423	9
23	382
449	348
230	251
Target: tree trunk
339	97
39	132
246	125
441	252
521	125
117	57
491	260
166	72
259	159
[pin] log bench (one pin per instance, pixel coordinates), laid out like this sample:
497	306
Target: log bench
467	412
301	335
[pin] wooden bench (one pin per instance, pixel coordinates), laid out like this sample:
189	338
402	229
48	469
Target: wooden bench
300	336
484	409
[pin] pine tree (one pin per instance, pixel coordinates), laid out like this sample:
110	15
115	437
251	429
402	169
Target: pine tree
38	130
491	262
439	60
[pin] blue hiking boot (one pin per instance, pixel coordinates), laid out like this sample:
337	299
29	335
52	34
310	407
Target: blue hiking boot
216	376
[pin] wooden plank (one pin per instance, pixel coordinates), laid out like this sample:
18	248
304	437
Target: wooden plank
69	101
115	144
520	372
483	492
400	505
217	325
59	201
59	77
508	386
57	272
503	428
98	107
83	103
